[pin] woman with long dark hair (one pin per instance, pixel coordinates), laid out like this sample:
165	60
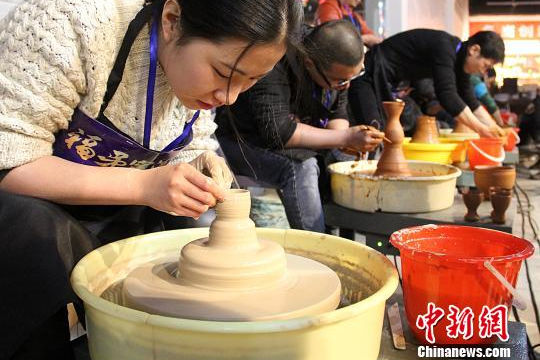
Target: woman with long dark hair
104	127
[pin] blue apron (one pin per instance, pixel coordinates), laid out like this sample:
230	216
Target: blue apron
97	142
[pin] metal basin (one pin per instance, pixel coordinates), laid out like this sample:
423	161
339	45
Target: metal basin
430	188
352	331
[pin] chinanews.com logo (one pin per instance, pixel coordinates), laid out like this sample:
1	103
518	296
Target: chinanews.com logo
462	325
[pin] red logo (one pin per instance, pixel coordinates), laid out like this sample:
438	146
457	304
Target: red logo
429	320
491	322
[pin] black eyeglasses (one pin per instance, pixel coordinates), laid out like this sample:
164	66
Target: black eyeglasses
340	83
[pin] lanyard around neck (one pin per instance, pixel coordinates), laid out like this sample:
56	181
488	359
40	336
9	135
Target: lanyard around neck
151	82
150	94
351	17
325	100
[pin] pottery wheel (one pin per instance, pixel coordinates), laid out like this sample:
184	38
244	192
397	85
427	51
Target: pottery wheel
232	276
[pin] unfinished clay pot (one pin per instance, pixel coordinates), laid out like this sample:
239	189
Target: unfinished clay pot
472	199
500	200
462	128
392	161
498	176
426	130
232	275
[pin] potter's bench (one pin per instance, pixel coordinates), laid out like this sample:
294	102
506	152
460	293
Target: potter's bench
378	226
517	341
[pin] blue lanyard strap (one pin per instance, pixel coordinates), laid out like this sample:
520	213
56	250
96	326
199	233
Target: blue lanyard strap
458	47
351	17
325	99
187	130
151	82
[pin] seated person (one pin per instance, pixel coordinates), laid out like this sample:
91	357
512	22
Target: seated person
275	129
344	9
425	53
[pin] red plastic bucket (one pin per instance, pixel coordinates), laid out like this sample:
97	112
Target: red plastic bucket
512	138
485	151
444	265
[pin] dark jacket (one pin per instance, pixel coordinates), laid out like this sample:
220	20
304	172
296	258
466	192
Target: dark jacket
425	53
264	115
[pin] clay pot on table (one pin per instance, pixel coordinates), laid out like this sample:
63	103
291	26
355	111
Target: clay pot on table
426	130
462	128
500	200
392	161
472	199
496	176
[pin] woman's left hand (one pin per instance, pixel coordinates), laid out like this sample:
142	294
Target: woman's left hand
210	164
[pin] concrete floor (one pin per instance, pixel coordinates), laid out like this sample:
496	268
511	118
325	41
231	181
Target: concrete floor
532	187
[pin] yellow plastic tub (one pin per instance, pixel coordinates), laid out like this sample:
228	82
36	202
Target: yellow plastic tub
459	154
437	153
115	332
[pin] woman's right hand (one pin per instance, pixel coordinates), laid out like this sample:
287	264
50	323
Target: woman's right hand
179	190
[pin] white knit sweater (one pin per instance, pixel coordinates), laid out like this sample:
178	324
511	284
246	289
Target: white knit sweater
56	55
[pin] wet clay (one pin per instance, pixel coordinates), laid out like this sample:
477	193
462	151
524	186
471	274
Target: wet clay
233	276
392	161
426	130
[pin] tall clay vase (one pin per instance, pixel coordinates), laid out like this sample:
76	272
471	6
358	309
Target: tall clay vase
472	200
392	161
426	130
500	200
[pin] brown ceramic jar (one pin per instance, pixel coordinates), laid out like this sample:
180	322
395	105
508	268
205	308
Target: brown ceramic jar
496	176
426	130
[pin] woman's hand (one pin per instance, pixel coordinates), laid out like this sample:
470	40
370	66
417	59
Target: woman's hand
362	138
209	163
179	190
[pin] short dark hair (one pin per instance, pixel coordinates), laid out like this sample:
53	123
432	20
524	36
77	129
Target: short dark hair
256	21
491	45
334	42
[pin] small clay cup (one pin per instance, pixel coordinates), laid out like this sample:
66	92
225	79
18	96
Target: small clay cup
472	199
500	200
426	130
496	176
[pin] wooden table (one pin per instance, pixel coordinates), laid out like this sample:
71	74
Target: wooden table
378	226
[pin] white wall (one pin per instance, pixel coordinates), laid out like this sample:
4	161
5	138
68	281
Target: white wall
400	15
6	6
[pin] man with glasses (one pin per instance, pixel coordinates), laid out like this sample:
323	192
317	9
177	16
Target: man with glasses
276	129
424	53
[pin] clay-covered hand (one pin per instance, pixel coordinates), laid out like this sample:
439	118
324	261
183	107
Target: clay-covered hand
362	138
210	164
485	131
179	190
497	131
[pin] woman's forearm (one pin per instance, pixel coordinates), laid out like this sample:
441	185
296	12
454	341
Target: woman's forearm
65	182
483	115
467	118
306	136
